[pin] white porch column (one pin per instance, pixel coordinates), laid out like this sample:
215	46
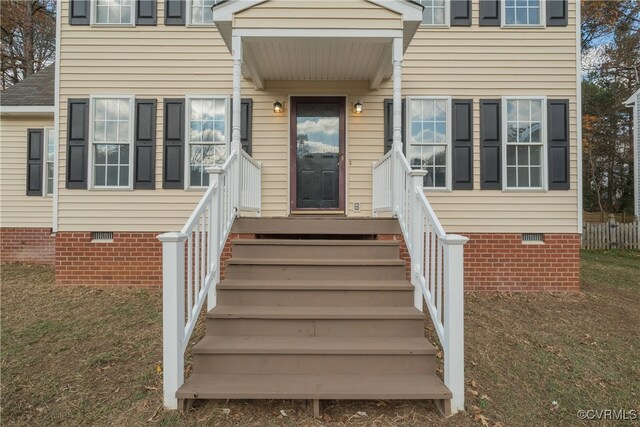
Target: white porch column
397	91
236	113
397	54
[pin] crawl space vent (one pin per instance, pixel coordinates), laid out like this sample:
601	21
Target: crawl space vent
532	238
102	236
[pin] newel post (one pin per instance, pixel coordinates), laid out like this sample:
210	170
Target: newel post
454	318
215	209
417	235
172	315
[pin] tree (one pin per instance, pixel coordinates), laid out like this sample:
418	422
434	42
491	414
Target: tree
28	38
611	32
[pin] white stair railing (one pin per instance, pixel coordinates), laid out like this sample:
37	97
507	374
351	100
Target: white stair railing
437	260
191	259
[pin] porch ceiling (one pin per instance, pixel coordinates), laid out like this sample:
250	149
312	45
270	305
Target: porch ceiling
291	58
353	46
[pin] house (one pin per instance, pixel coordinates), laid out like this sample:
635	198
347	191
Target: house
317	158
634	102
27	149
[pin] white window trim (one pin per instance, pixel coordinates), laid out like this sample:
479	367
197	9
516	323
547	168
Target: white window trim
447	18
191	24
187	133
94	10
407	130
503	150
543	17
48	131
92	106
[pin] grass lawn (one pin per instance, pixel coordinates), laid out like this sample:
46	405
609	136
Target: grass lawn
79	357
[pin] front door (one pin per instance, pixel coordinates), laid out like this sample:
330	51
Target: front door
317	154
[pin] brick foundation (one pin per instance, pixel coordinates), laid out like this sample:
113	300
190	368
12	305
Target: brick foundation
493	262
501	262
33	245
132	259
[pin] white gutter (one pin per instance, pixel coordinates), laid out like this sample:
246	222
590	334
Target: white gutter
56	120
579	109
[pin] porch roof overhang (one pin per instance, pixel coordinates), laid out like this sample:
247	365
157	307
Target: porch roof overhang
277	53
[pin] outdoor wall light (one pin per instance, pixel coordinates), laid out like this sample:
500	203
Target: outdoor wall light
358	107
278	107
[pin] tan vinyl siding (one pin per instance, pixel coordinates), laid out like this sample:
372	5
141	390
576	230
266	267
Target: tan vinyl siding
16	208
462	62
352	14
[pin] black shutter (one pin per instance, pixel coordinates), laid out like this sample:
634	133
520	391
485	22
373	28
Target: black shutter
77	143
460	13
175	12
145	145
388	125
79	11
490	13
490	145
558	143
246	114
35	161
557	13
173	156
462	144
146	12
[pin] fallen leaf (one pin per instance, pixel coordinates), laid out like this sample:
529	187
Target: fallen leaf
284	414
473	383
226	411
159	369
362	413
485	397
482	419
475	393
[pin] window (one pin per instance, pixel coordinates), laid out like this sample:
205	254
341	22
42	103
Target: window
200	12
429	139
207	118
50	139
112	123
524	142
114	12
435	12
522	12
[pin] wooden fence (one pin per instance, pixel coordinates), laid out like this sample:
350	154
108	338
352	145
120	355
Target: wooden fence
604	217
611	235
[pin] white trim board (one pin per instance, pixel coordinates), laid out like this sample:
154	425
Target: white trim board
21	109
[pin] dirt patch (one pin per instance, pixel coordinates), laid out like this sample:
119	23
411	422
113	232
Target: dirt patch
79	356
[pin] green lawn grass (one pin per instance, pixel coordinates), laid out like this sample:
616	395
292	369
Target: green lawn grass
82	356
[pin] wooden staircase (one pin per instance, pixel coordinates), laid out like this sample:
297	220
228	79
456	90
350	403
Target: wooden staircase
314	309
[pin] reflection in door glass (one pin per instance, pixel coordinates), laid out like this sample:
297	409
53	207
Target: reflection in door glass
318	129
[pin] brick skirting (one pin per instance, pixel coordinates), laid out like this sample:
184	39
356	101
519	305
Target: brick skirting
502	262
131	259
34	245
493	262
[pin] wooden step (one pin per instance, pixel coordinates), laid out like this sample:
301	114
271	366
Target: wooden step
315	293
313	355
315	321
309	269
316	225
315	249
288	386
